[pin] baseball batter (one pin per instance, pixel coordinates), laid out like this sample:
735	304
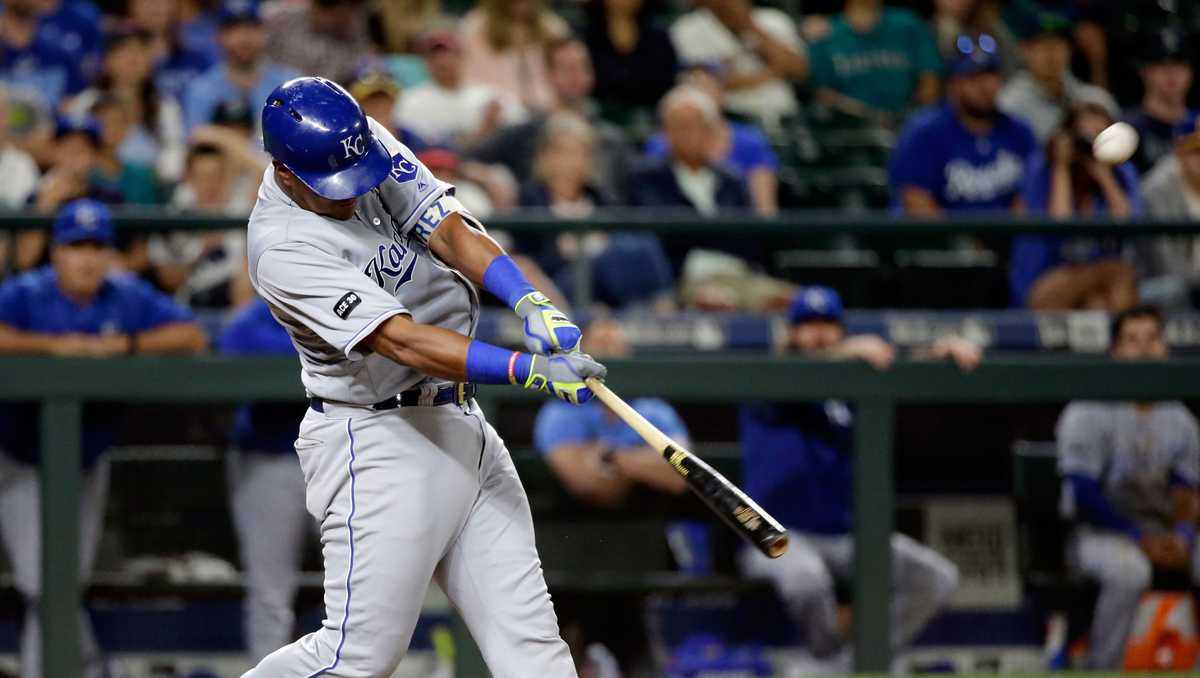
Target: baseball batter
368	261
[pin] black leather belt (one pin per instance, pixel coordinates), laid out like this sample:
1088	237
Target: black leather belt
457	394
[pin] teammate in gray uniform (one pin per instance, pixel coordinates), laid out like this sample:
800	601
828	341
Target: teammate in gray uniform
368	261
1130	473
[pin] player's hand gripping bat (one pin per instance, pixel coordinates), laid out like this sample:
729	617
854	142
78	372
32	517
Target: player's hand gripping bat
722	497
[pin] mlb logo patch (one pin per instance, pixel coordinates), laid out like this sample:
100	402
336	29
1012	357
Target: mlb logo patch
346	305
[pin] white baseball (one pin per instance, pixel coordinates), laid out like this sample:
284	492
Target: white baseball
1115	144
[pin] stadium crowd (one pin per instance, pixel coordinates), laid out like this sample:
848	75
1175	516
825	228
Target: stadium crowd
930	109
949	106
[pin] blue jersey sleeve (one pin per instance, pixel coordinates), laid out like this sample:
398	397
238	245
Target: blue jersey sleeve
14	311
752	148
560	424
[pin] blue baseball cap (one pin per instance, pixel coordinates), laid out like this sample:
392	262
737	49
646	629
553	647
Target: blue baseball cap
238	12
86	125
973	55
815	303
83	220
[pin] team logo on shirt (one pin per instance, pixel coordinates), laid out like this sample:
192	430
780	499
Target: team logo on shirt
392	266
403	170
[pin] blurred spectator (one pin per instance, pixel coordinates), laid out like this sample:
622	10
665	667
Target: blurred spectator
448	110
1088	18
739	146
952	18
328	38
30	60
73	25
596	456
196	22
402	21
1164	113
21	176
1170	265
379	96
626	267
447	165
266	491
73	175
572	79
562	170
716	272
19	170
129	176
156	135
876	63
504	43
1045	91
243	74
180	53
963	154
634	60
688	177
206	270
1130	474
74	307
758	52
232	131
797	465
1053	272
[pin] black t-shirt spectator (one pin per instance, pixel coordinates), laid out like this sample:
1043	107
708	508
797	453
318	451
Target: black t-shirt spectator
635	78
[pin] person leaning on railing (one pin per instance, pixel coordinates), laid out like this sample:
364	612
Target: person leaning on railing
73	307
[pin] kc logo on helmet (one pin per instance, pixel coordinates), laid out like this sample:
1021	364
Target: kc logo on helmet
354	144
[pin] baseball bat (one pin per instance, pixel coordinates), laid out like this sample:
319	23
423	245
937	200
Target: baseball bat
722	497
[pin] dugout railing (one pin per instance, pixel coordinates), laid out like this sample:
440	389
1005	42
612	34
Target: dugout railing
62	386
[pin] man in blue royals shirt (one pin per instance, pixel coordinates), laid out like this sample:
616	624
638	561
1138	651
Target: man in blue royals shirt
963	153
266	490
73	307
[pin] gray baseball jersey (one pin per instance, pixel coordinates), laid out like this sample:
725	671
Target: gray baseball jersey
1132	454
330	283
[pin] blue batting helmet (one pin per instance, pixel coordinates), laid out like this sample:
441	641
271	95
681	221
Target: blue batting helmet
316	130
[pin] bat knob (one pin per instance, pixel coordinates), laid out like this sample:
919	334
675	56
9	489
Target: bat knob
777	546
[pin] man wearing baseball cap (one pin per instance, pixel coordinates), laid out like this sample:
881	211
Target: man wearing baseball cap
1164	115
1044	92
963	153
244	72
73	307
797	466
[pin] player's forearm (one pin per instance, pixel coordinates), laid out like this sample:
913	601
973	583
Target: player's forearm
649	468
172	338
13	340
432	350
